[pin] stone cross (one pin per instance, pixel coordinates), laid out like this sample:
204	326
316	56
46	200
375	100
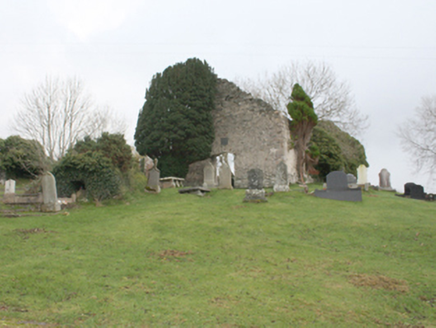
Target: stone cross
362	175
282	182
225	177
10	186
49	194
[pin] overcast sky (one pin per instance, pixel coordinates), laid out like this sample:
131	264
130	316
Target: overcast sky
385	49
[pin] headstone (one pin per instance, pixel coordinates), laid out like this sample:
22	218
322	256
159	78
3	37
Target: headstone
362	175
385	180
255	179
49	194
337	188
282	182
10	186
351	179
414	191
337	180
199	191
255	193
225	177
153	182
209	174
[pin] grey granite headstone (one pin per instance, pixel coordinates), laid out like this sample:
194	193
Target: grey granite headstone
255	192
49	194
337	188
385	180
225	177
282	182
209	174
351	179
337	180
153	182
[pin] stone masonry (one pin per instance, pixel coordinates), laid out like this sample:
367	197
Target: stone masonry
254	132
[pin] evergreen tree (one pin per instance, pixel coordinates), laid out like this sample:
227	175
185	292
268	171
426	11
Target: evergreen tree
303	121
175	124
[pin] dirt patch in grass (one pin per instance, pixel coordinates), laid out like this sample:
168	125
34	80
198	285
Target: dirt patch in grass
34	230
171	254
379	282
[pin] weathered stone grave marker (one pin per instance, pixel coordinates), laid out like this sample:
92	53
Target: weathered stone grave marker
385	180
209	174
49	194
282	181
255	192
225	176
10	186
153	182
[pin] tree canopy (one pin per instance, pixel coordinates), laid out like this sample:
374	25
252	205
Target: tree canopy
418	136
331	97
175	124
337	149
94	165
22	158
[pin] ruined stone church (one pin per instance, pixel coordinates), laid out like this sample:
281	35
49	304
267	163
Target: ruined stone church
255	134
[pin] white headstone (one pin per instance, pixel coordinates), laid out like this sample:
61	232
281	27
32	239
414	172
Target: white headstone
49	194
10	186
362	175
225	177
209	175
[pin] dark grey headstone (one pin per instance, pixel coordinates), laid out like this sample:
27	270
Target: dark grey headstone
337	180
255	179
337	188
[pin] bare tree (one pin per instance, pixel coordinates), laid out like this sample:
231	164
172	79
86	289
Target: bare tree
332	98
57	113
419	136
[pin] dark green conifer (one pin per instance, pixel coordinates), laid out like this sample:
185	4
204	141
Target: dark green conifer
175	124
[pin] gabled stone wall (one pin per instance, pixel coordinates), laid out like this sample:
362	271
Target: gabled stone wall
253	131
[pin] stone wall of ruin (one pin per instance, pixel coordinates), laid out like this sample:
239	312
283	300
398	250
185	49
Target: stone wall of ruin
253	131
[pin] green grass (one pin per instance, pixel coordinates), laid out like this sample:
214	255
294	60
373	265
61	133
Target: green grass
170	260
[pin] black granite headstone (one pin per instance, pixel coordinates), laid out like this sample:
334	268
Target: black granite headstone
414	191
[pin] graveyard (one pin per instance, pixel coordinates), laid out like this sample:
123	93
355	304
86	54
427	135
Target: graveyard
179	260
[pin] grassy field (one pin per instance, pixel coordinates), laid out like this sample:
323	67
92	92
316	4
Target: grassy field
170	260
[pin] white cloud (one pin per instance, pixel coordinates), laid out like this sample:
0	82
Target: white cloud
86	18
